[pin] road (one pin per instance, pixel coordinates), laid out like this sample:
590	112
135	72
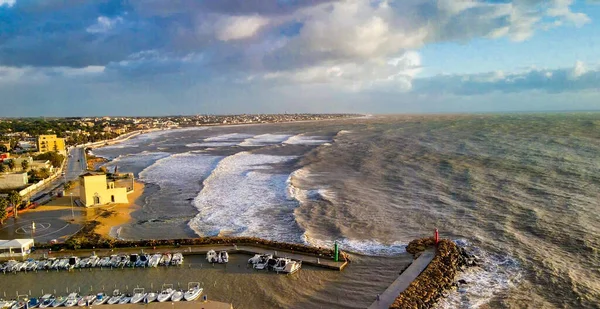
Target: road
75	166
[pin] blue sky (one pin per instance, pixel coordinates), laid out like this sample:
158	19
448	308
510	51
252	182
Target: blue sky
157	57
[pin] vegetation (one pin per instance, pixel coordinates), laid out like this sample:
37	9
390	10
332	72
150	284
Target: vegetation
3	209
15	198
11	164
3	168
25	165
55	158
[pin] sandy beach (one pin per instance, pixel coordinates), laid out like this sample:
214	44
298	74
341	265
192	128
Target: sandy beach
113	216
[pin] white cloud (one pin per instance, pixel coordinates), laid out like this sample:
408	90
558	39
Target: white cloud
230	28
8	3
104	24
36	74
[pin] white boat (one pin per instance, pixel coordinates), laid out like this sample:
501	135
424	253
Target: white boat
31	265
33	302
115	298
19	304
83	263
142	261
211	256
125	299
8	303
154	260
86	300
138	295
104	262
150	297
47	300
193	292
166	293
254	259
165	259
101	298
223	257
114	259
93	261
177	259
287	266
177	295
72	300
261	262
59	301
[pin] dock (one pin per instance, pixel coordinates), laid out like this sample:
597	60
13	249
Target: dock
404	280
306	258
172	305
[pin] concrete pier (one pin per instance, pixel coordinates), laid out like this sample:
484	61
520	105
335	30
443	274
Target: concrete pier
403	281
171	305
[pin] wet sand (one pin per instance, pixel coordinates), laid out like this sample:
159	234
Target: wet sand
119	213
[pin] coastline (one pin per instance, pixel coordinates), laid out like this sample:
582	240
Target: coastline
110	219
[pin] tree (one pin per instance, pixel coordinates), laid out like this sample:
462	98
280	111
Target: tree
44	173
3	211
25	165
15	198
11	164
2	168
3	148
55	158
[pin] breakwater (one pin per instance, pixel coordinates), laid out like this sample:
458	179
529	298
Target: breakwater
107	243
438	277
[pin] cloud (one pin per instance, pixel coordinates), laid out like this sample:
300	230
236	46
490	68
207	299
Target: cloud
8	3
104	24
239	27
573	79
33	74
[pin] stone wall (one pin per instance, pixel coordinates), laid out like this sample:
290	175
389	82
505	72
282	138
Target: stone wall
435	279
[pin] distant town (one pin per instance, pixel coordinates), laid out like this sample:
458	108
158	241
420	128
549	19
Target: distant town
33	150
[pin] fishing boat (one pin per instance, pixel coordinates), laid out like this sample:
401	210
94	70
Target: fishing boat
287	266
211	256
101	298
150	297
193	292
72	300
223	257
261	262
86	300
115	298
47	300
177	295
166	293
59	301
165	259
177	259
33	302
138	295
154	260
73	261
125	299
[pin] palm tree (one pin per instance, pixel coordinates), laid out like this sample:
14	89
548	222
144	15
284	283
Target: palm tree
25	165
15	199
3	206
11	164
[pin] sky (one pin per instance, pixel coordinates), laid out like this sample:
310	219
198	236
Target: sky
175	57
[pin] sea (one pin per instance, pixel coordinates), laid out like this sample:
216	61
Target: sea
520	191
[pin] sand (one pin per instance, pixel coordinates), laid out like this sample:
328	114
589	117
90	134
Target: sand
119	213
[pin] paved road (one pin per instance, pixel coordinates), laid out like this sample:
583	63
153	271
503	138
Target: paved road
406	278
75	166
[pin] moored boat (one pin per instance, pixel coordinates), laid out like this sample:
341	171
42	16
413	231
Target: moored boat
72	300
59	301
125	299
101	298
115	298
177	295
261	262
138	295
166	293
212	257
223	257
193	292
47	301
287	266
151	296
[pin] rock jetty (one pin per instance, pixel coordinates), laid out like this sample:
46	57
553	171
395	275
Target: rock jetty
439	275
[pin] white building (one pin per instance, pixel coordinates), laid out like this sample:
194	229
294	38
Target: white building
15	247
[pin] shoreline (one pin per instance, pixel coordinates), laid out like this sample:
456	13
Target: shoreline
111	218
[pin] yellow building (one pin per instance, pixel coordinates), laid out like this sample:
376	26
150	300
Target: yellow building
94	189
48	143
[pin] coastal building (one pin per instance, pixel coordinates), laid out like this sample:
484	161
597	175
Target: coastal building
19	162
15	247
95	189
48	143
13	180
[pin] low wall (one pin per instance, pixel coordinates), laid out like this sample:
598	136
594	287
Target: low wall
112	243
439	276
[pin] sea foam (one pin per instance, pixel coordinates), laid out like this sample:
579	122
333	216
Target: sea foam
244	196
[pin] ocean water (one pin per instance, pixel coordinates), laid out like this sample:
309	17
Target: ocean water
521	191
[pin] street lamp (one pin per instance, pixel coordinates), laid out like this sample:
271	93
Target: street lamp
72	213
